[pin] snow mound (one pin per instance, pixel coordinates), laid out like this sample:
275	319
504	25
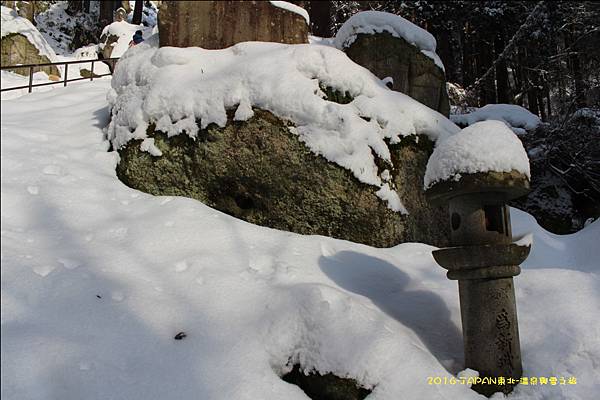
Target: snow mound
124	30
481	147
514	115
370	22
283	79
578	251
12	23
286	5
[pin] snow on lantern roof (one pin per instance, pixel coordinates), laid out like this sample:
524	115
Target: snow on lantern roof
482	147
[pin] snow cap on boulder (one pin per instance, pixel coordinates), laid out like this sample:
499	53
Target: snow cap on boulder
370	22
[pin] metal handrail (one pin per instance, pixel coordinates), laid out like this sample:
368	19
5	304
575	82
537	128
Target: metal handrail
65	80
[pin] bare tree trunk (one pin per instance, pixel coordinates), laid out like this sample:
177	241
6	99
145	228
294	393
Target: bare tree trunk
501	70
137	12
484	62
320	18
579	84
467	56
73	6
107	9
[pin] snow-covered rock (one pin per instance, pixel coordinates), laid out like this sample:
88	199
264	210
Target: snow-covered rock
283	79
65	32
22	43
398	52
286	5
515	116
482	147
13	24
370	22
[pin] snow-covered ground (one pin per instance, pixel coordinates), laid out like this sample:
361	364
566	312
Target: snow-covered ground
98	278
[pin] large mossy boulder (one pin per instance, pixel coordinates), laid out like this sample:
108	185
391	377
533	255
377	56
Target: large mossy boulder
260	172
17	49
413	72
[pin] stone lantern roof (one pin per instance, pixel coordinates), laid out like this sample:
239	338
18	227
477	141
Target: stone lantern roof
488	187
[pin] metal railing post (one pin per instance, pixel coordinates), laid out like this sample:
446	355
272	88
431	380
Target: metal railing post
66	73
30	79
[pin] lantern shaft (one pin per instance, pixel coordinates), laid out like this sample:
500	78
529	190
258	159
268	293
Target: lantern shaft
490	332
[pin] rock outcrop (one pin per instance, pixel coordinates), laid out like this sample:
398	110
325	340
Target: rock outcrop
413	72
260	172
17	49
220	24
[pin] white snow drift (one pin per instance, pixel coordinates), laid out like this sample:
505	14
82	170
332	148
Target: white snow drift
515	116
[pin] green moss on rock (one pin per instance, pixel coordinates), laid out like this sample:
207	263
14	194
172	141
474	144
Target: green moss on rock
260	172
414	73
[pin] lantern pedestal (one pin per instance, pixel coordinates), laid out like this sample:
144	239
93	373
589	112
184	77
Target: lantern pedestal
484	261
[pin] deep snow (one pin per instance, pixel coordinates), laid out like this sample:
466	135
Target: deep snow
98	278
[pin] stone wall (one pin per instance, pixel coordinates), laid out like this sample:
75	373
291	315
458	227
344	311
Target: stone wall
220	24
16	49
413	72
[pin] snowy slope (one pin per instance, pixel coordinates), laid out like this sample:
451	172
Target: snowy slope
98	278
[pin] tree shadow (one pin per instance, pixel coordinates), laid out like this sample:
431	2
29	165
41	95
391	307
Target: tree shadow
387	287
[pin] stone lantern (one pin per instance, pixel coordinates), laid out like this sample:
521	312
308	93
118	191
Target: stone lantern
484	260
